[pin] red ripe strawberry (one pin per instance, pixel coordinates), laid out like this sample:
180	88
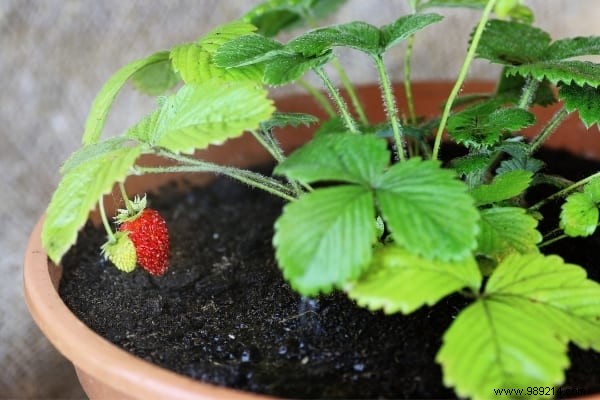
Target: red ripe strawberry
150	236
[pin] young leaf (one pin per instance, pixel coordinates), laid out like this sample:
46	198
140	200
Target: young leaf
245	50
210	113
104	99
428	210
287	67
401	281
557	292
156	79
325	238
338	157
356	35
196	65
503	187
77	193
283	119
223	34
482	125
273	16
579	72
579	215
92	151
512	43
500	344
505	230
573	47
584	99
404	27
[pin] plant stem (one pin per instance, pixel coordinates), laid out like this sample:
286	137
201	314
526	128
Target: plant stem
553	240
126	198
528	93
563	192
407	84
251	178
109	232
390	107
318	96
335	96
548	129
351	92
462	75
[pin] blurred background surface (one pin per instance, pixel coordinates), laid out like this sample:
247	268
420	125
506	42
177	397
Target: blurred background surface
56	54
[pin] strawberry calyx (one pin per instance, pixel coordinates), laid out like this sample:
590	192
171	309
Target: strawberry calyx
135	208
120	250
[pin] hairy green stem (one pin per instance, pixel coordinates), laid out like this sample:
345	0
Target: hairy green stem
318	96
337	99
251	178
548	129
407	84
390	107
462	75
351	92
528	93
564	192
109	232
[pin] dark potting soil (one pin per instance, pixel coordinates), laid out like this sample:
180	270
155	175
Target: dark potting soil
224	314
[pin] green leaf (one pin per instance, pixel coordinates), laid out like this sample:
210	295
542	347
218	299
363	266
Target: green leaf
592	190
428	210
506	230
337	157
573	47
92	151
283	119
579	72
471	163
196	65
334	125
273	16
483	124
356	35
404	27
104	99
146	128
223	34
584	99
500	344
556	292
287	67
210	113
503	187
401	281
77	193
325	238
156	79
245	50
579	215
512	43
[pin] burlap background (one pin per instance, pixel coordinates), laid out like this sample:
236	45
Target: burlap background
55	55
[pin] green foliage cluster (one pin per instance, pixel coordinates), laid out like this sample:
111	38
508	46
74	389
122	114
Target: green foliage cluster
371	211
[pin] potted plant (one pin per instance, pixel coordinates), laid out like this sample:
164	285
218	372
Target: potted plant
373	210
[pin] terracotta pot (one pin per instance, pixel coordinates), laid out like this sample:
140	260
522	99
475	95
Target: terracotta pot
105	370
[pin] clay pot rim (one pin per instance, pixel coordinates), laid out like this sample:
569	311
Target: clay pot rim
92	353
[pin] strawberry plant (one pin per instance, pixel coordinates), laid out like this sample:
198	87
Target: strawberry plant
371	209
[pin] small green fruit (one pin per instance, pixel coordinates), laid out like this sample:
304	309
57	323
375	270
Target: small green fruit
121	252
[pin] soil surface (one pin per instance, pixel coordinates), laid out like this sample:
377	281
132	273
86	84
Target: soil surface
224	314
